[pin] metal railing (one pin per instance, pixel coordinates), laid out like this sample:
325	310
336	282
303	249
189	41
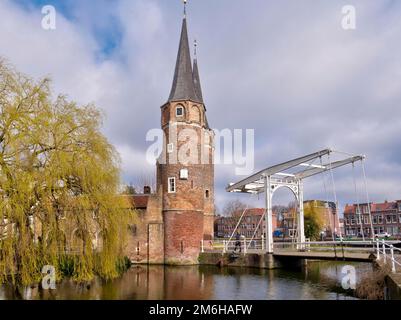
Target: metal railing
362	246
243	245
384	249
389	253
258	245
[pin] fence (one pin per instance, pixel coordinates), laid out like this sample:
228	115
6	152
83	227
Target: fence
258	245
243	245
389	253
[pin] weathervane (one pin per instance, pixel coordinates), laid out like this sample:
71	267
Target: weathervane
185	7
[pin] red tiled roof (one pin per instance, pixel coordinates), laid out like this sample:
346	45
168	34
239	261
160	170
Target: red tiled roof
383	206
349	208
374	207
255	212
138	201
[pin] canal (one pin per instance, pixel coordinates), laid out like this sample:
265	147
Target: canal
318	280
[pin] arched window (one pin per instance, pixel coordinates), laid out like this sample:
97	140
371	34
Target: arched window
180	111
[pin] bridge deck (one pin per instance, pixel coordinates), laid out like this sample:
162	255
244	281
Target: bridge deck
318	255
323	255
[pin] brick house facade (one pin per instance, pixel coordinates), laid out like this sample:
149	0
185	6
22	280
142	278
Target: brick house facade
284	219
386	217
224	226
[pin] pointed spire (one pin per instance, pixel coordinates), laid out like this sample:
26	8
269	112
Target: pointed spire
195	76
183	85
185	8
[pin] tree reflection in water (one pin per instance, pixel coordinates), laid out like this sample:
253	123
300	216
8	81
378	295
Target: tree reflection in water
316	280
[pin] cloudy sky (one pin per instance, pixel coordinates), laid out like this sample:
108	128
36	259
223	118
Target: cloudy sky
286	69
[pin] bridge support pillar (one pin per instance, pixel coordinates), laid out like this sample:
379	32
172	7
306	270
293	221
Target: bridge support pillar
269	215
301	224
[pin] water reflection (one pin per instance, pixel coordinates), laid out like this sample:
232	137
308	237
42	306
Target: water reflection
317	280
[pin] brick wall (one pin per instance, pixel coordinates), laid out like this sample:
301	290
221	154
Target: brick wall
182	236
146	240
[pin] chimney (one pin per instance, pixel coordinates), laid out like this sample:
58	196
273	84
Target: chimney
147	190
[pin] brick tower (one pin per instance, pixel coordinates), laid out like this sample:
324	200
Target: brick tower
185	171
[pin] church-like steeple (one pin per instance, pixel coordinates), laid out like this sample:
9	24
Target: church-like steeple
196	78
183	84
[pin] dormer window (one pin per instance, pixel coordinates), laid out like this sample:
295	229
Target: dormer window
180	111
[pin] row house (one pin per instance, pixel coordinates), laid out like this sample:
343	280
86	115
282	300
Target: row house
252	219
386	217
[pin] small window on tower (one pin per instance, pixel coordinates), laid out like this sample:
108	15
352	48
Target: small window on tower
207	194
170	148
184	174
171	185
180	111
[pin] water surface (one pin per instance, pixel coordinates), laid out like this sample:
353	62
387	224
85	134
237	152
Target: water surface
318	280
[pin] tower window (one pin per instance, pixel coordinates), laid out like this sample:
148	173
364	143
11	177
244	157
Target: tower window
180	111
171	185
170	148
207	194
184	174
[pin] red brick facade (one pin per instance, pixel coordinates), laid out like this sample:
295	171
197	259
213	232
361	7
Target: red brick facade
224	226
386	217
188	210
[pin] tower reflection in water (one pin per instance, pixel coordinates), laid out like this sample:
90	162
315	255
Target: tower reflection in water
317	280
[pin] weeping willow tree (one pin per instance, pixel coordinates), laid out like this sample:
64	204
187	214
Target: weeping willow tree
57	173
313	221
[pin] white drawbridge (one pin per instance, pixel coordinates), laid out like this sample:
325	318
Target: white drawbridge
269	180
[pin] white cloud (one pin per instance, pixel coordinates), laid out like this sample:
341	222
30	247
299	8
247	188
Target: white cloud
284	69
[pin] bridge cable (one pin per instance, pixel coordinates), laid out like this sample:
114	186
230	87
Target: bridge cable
236	227
357	202
238	223
256	230
335	194
327	198
367	199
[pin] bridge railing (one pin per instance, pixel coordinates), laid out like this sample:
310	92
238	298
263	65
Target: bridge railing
354	246
385	250
243	245
258	245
